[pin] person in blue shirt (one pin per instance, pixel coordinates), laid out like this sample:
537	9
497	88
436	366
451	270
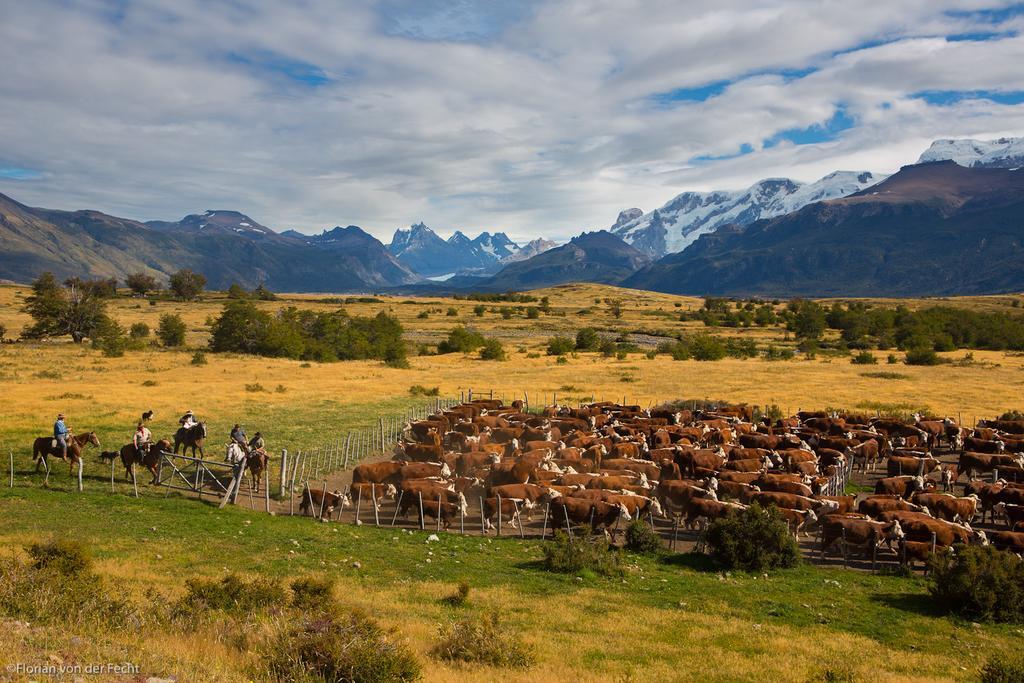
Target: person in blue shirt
60	433
238	436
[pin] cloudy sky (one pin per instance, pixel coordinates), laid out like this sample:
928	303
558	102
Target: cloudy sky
532	117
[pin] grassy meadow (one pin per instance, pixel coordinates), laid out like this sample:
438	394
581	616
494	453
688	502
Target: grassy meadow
672	619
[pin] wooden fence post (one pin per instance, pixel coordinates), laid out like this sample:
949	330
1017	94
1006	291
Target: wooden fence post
373	498
283	473
398	506
323	499
422	523
10	455
80	465
499	514
359	504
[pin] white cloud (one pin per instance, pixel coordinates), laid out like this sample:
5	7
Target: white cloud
536	122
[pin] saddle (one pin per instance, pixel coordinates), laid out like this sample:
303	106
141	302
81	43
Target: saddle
53	443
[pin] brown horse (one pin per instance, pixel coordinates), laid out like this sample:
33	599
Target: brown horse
191	438
45	446
257	463
130	457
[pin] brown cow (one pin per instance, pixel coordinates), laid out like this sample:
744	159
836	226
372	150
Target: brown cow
857	532
877	504
582	511
708	509
949	507
379	472
315	500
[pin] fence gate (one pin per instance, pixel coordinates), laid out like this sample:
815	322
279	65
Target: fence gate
197	475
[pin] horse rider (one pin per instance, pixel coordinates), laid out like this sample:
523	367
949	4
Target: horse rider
238	436
188	420
141	441
61	433
256	443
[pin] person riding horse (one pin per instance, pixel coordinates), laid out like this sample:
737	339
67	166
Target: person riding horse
61	432
256	443
238	436
188	420
141	440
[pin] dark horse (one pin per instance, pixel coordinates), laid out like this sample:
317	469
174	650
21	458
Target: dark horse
257	461
130	457
45	446
191	438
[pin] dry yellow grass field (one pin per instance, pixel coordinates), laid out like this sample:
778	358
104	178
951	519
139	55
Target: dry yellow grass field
675	624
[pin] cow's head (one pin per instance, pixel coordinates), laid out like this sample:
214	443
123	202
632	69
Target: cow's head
445	470
624	512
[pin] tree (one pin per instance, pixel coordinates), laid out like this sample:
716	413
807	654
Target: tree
74	310
808	319
615	308
587	339
110	338
263	294
236	291
492	350
140	283
187	284
102	288
171	330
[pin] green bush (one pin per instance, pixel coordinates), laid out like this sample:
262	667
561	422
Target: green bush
1005	667
559	346
198	358
326	647
312	592
979	582
864	358
492	350
187	284
139	331
64	556
110	338
641	538
532	312
230	594
171	330
461	340
420	390
922	355
482	639
754	539
583	554
479	310
587	339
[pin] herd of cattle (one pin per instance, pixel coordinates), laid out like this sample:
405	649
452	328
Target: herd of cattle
603	464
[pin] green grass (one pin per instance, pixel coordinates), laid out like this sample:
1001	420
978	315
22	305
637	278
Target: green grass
175	538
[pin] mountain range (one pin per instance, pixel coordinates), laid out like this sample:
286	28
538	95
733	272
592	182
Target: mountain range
425	252
931	229
847	233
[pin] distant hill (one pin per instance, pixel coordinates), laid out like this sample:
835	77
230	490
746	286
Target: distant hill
226	246
930	229
592	257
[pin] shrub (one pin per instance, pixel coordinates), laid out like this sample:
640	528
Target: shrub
479	310
641	538
110	338
561	360
461	340
64	556
171	330
254	388
481	639
591	555
452	312
1005	667
558	346
340	648
420	390
506	313
492	350
922	355
187	284
891	359
230	593
139	331
754	539
312	592
460	597
532	312
706	347
236	291
263	294
980	582
199	358
864	358
774	353
587	339
423	315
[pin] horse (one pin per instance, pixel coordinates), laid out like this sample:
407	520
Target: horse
255	461
130	457
45	446
192	437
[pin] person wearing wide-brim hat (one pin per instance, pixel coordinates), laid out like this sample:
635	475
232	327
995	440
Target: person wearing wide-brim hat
60	433
188	420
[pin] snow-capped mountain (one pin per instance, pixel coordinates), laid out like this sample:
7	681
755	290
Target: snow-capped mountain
679	223
530	249
423	250
1001	153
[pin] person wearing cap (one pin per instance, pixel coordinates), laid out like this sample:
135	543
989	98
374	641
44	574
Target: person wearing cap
188	420
256	443
238	436
60	433
141	441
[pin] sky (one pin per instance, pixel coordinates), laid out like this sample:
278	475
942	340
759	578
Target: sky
532	117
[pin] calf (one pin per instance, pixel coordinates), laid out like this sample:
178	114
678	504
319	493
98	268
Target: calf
315	500
511	509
